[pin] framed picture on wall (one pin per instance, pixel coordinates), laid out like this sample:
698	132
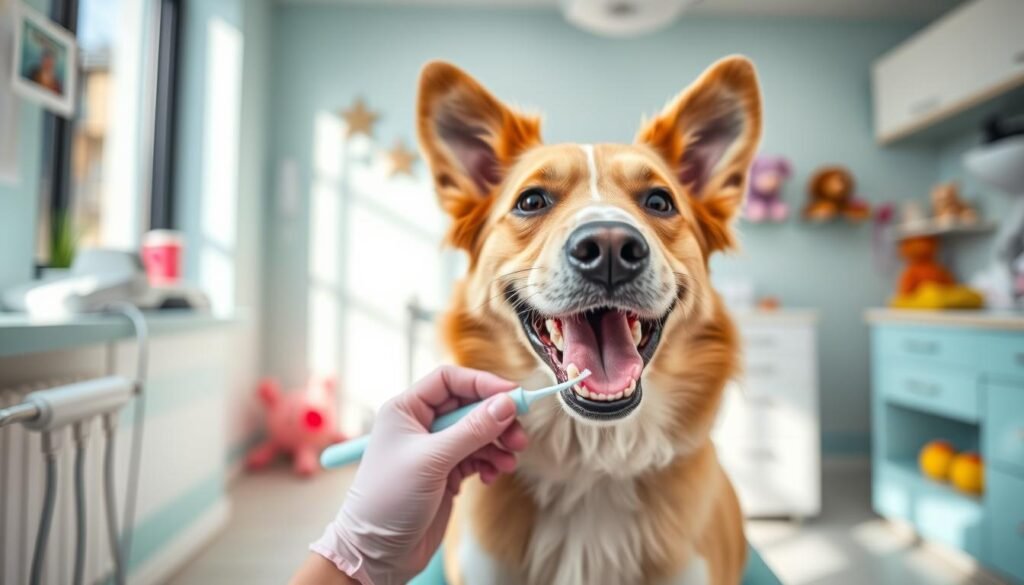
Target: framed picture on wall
45	62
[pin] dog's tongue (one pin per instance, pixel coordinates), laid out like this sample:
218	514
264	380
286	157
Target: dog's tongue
605	347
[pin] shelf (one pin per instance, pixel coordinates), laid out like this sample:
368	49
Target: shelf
907	468
930	228
23	334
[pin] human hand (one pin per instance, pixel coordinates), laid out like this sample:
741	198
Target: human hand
396	512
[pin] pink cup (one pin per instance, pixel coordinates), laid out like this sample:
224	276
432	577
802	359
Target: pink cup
162	252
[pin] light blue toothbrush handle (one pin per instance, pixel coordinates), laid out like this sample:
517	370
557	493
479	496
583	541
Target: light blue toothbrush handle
449	418
342	454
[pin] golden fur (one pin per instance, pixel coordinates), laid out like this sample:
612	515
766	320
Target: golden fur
682	502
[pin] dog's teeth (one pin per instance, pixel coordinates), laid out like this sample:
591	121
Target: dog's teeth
571	371
598	396
555	333
637	330
579	389
629	389
616	396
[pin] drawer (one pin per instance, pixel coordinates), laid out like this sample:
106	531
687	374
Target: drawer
1004	353
774	478
754	416
1004	425
944	391
767	341
927	344
1005	511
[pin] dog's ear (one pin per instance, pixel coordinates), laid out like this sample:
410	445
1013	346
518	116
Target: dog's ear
709	135
469	139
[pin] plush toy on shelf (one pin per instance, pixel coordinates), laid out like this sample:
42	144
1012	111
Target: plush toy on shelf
949	209
764	189
300	423
831	194
926	284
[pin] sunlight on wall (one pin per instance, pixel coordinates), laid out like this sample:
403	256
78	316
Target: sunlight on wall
219	207
374	245
326	223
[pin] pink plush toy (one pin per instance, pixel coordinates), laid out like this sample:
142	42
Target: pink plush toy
301	423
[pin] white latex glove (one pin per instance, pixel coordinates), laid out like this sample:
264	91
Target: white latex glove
396	512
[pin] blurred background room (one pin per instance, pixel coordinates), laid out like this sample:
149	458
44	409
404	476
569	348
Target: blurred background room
225	200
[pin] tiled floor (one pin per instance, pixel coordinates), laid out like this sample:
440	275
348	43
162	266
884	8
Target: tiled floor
275	515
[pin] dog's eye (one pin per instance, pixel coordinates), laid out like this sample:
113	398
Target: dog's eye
532	201
658	202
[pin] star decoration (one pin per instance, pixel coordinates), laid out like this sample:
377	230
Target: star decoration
359	119
401	159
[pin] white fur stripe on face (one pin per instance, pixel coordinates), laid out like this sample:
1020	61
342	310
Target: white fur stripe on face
588	150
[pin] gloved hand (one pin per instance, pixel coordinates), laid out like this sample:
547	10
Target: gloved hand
396	512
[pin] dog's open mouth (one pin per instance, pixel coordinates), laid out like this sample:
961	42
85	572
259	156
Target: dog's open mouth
614	344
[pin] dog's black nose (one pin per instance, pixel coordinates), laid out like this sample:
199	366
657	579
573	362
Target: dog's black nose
609	253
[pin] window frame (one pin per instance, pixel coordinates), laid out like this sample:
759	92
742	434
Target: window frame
58	132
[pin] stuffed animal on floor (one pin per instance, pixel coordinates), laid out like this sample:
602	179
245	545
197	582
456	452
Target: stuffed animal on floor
926	284
764	189
830	194
948	208
300	423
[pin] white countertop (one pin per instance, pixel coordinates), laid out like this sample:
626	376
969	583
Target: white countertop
984	319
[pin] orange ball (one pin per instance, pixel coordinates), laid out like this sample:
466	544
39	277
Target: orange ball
935	459
967	473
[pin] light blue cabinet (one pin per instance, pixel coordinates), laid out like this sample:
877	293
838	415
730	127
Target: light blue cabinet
957	377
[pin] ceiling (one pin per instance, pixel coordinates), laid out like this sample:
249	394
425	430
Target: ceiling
921	10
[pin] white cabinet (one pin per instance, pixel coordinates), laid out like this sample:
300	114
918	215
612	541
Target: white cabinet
767	432
968	57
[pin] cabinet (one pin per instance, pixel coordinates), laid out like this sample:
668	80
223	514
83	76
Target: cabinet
767	432
968	57
956	376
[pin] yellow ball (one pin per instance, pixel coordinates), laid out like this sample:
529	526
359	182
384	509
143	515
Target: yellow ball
967	473
935	459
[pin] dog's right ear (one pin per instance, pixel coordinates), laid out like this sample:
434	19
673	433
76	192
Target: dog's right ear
469	139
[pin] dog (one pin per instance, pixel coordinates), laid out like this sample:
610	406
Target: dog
596	257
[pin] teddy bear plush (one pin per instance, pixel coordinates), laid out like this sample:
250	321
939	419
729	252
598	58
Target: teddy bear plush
830	194
926	284
764	189
948	208
300	423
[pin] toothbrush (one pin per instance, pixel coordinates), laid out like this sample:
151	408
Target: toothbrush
351	451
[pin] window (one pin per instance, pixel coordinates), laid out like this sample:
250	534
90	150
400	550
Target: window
108	171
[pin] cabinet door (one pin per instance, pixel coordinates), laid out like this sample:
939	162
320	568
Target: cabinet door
1005	511
1004	425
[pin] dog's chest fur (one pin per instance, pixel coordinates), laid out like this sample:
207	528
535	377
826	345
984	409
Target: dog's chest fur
589	532
592	523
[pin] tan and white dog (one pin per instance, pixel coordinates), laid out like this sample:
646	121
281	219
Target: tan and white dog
596	256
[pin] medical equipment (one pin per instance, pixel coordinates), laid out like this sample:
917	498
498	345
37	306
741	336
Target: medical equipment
351	451
51	412
96	279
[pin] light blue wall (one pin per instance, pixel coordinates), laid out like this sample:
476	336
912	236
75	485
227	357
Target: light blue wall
816	88
19	202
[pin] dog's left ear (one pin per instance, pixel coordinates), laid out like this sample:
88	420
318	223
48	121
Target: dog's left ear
709	135
469	139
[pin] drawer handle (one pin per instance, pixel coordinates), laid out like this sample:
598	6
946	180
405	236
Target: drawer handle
924	105
768	402
760	341
761	370
921	346
1019	358
923	388
762	454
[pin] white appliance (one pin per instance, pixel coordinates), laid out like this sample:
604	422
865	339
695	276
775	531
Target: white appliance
96	279
768	432
623	18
